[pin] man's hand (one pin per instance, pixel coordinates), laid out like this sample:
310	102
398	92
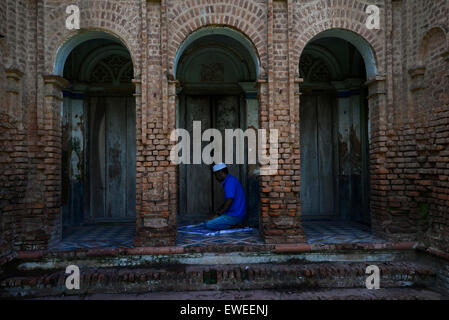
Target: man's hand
213	214
224	207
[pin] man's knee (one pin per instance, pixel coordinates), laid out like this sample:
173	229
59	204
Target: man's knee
211	225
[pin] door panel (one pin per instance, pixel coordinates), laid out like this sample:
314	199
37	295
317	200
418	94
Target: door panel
198	178
115	158
96	158
325	155
317	162
309	164
112	159
131	158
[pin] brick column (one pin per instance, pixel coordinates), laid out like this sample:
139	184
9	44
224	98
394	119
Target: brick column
435	214
378	149
156	177
50	159
280	202
139	159
13	161
156	220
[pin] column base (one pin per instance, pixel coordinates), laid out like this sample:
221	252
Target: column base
284	236
155	237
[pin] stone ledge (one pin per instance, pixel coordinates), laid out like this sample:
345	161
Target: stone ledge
304	247
25	255
277	248
222	277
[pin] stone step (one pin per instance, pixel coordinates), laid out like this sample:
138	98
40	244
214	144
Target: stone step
268	294
310	276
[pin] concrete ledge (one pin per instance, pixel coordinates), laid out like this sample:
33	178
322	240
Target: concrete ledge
99	252
173	250
177	255
304	247
216	277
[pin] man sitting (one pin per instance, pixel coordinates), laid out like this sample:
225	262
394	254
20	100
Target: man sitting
233	211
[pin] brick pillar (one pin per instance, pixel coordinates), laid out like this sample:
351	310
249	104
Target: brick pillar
156	177
415	140
378	148
156	220
436	214
50	159
280	202
139	159
13	161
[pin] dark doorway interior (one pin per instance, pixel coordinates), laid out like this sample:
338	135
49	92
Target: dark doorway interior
334	132
214	73
203	193
98	132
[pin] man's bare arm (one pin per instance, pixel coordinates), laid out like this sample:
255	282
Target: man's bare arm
224	207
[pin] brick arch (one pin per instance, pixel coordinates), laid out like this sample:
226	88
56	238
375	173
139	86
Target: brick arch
205	31
437	32
107	17
354	24
189	16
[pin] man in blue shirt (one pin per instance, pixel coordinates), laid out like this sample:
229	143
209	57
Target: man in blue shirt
233	210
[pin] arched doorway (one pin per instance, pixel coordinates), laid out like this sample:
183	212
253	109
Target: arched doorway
98	131
334	130
216	69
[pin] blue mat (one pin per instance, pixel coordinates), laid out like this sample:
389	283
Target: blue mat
201	229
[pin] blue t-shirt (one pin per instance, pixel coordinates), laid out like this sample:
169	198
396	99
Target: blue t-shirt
233	189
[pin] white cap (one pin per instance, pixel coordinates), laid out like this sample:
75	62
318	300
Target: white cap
219	166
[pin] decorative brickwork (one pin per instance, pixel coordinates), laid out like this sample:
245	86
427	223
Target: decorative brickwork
407	95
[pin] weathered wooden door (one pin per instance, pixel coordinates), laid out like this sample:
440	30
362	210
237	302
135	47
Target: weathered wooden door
112	159
195	179
318	189
199	192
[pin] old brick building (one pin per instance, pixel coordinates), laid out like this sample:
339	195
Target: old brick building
86	115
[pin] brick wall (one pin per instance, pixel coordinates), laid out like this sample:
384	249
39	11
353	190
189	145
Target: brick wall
6	228
415	174
432	130
13	143
408	109
433	53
